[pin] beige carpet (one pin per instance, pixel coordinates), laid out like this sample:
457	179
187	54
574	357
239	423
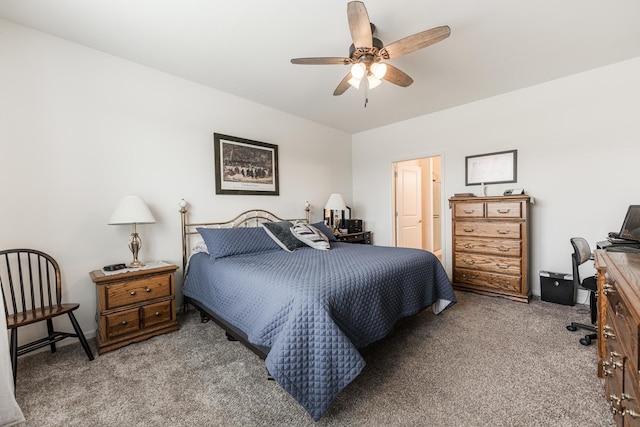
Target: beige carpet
484	362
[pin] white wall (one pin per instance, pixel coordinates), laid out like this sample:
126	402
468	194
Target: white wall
578	142
80	129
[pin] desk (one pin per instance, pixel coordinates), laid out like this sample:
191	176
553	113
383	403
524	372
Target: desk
618	278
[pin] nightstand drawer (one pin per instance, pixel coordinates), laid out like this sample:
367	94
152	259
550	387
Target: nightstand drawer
139	290
123	322
154	314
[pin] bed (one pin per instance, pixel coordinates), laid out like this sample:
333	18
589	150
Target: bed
305	311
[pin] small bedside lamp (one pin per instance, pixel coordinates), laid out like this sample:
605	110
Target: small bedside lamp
132	210
336	204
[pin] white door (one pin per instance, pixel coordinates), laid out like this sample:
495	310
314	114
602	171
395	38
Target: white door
408	206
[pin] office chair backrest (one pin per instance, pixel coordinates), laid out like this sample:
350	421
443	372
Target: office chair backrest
581	254
29	280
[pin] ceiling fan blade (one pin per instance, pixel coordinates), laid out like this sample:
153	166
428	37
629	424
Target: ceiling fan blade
416	42
343	86
397	77
321	61
359	24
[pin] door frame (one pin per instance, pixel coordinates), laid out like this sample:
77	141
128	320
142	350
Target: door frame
443	202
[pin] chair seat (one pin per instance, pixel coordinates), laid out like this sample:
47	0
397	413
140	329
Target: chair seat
590	283
37	315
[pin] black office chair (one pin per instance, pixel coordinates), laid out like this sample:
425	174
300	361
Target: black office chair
582	254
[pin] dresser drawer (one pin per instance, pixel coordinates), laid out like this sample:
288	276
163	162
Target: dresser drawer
504	210
502	230
135	291
489	246
495	282
621	327
123	322
154	314
469	210
503	265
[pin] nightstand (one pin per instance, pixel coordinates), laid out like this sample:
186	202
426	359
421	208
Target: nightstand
134	305
363	237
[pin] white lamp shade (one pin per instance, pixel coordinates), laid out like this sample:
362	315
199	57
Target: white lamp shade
336	203
132	210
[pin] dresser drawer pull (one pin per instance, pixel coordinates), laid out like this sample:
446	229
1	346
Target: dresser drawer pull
468	246
633	414
608	332
503	231
157	313
124	322
504	211
606	373
147	290
608	289
468	262
503	249
468	230
133	292
499	283
464	276
469	211
503	266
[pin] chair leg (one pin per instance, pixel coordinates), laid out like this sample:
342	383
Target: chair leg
14	354
80	335
50	331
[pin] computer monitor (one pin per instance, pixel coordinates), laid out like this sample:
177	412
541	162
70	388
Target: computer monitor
631	226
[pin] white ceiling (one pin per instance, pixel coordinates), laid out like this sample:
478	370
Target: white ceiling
243	47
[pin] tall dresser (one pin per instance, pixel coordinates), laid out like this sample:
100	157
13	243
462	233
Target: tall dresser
489	237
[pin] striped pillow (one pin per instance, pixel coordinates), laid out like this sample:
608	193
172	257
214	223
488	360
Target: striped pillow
310	236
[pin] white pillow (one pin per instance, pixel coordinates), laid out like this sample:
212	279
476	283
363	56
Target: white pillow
310	236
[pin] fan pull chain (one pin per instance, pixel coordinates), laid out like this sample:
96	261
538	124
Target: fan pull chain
366	91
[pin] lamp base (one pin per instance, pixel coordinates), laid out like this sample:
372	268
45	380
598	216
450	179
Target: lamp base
135	264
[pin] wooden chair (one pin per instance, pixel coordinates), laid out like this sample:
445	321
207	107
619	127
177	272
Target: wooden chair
32	289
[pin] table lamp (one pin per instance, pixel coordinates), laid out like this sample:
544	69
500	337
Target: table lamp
336	204
132	210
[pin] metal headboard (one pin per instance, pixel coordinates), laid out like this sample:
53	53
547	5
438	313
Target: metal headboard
250	218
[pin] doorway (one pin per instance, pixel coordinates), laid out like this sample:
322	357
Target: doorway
417	194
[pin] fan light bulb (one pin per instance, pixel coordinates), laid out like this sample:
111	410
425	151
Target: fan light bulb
379	69
354	82
358	70
373	81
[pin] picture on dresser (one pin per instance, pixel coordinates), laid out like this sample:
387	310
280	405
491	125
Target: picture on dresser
491	168
244	166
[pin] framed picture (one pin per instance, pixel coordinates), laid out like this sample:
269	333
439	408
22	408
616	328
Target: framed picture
244	166
491	168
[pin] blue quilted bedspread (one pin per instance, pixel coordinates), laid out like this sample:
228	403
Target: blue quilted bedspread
315	308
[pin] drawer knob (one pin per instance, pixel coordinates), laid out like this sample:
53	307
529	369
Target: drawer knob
133	292
124	322
147	290
633	414
157	313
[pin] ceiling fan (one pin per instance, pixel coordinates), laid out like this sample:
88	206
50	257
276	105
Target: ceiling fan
367	53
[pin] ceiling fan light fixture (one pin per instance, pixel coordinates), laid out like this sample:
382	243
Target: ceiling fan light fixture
373	81
379	69
355	82
358	70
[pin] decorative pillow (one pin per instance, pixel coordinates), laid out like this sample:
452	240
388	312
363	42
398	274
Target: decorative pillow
281	234
310	236
223	242
321	226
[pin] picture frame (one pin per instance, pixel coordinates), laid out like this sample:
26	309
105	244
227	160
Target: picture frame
244	166
491	168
